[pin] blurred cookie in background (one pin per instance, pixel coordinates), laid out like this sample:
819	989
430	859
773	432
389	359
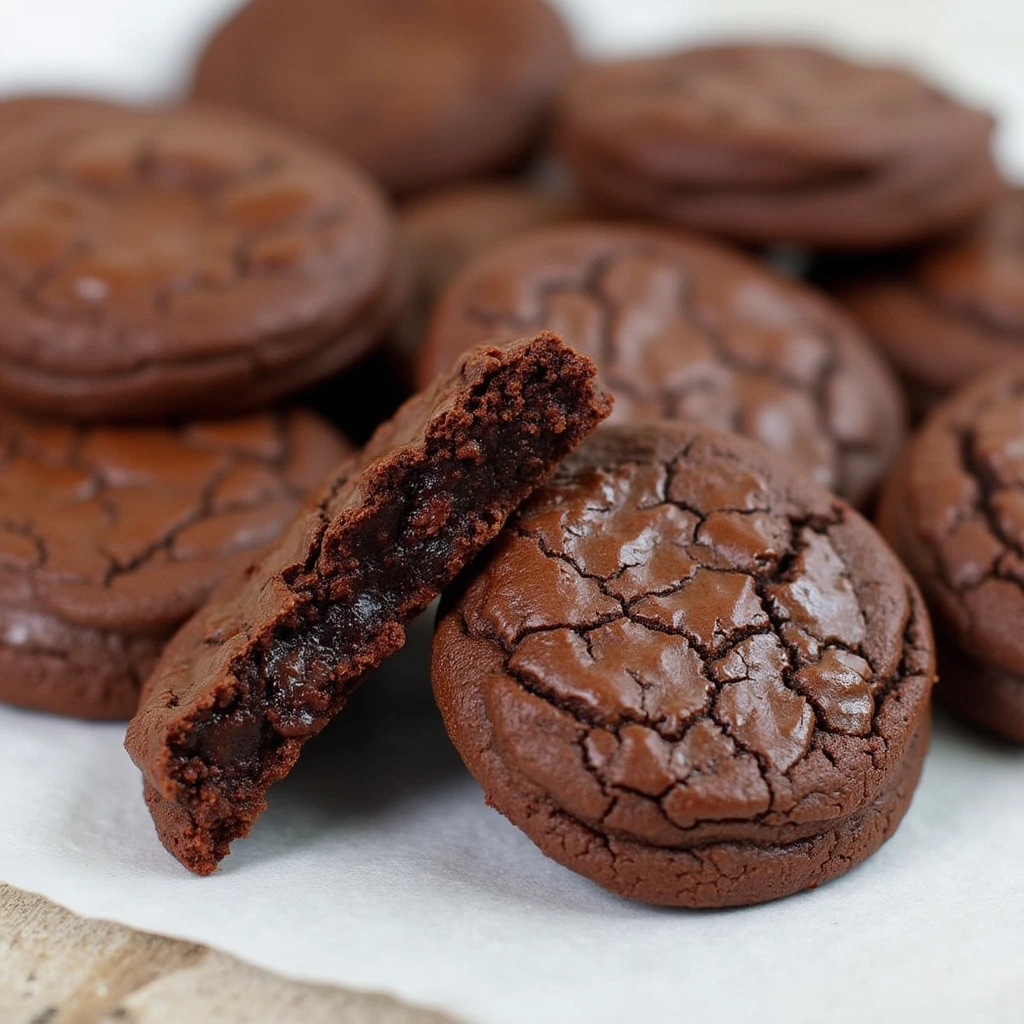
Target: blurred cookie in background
418	92
953	509
946	314
22	110
688	329
443	230
33	125
110	538
767	143
186	261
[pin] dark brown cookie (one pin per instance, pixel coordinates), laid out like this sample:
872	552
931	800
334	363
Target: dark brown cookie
442	231
769	143
277	650
21	111
419	92
953	508
33	127
111	538
685	329
952	311
186	262
689	673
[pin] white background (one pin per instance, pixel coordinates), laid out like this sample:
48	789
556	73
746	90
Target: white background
377	864
142	48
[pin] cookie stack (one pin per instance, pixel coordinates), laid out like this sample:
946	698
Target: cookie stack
768	144
670	648
159	269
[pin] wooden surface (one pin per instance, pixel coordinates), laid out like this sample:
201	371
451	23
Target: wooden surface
56	968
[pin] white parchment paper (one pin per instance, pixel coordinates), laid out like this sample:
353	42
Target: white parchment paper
378	866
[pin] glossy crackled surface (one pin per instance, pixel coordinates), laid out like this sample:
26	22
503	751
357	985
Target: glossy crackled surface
110	538
684	652
132	527
685	330
954	507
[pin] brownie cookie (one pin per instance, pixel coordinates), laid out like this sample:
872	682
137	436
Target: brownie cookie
21	111
442	231
186	262
111	538
419	92
953	311
33	127
688	672
278	649
953	508
685	329
770	143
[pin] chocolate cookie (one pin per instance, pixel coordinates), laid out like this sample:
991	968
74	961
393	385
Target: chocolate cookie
953	507
111	538
684	329
419	92
688	672
186	262
278	649
769	143
33	127
953	311
442	231
20	111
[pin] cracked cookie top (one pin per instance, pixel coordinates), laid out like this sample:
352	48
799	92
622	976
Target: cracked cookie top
184	236
419	92
686	329
785	114
954	508
679	640
130	529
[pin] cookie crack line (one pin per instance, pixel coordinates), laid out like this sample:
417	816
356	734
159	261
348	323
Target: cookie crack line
972	465
240	261
588	281
775	625
100	491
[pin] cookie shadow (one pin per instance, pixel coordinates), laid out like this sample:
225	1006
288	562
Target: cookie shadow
387	748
